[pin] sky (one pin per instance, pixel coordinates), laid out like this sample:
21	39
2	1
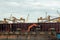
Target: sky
35	8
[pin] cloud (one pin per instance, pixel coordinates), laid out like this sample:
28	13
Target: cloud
9	4
31	3
35	8
41	4
52	4
12	3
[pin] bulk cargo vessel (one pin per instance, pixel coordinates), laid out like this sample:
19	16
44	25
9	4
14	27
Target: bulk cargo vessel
42	24
21	26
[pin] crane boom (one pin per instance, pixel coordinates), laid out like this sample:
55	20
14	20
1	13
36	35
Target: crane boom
58	13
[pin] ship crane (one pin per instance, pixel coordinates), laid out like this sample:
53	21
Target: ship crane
13	19
58	13
59	16
5	21
47	19
21	19
40	19
57	19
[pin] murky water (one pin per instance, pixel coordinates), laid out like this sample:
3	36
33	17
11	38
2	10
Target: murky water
32	36
25	37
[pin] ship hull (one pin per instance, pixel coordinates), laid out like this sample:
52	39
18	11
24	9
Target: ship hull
24	26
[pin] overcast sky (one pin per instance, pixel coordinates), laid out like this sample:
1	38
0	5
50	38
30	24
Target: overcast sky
35	8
